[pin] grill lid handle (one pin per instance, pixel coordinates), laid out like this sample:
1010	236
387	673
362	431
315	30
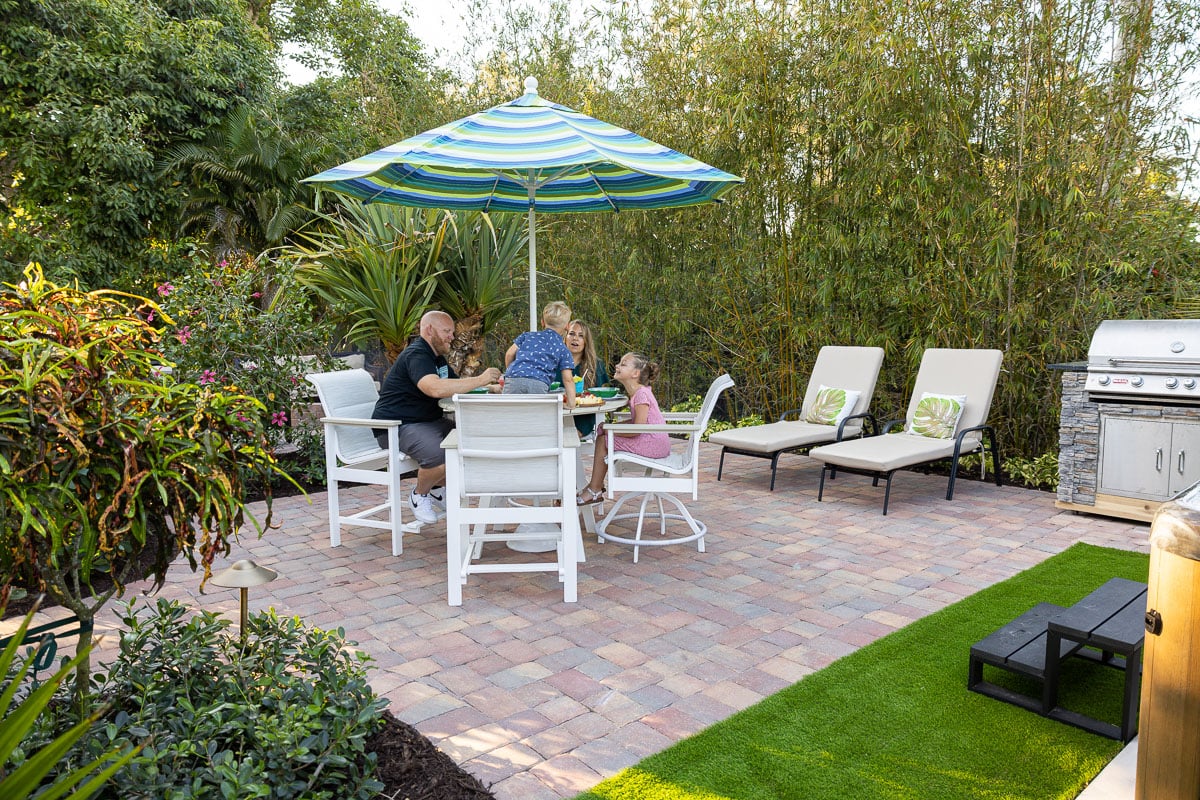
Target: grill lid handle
1154	362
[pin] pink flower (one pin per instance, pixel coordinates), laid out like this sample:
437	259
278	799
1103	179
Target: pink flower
256	295
149	316
165	289
208	377
242	417
184	334
279	418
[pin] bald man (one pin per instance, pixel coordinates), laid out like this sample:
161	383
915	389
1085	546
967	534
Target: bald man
419	378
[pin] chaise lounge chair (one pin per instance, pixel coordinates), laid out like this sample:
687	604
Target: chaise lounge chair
947	418
821	419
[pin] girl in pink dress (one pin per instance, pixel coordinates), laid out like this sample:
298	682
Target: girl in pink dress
636	373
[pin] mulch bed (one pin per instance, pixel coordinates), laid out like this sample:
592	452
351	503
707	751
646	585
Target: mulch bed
411	768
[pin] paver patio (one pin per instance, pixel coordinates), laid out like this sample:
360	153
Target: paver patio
543	699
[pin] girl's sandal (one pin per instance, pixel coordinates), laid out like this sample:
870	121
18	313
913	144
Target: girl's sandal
587	496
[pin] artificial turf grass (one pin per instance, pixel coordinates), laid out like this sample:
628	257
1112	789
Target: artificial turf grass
895	720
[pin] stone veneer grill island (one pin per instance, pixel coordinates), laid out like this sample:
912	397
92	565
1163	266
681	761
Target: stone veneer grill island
1129	432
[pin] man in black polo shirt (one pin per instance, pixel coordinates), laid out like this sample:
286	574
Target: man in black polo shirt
419	378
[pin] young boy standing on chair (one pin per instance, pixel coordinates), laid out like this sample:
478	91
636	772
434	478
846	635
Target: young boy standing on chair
538	358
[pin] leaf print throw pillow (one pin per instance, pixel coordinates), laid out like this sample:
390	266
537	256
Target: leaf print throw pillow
831	405
937	415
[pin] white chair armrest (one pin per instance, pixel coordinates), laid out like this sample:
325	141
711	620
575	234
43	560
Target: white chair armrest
629	427
368	423
682	416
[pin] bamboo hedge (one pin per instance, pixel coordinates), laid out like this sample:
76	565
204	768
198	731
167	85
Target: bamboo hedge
971	173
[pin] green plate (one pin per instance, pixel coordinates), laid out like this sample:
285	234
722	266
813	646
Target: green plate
607	392
480	390
554	387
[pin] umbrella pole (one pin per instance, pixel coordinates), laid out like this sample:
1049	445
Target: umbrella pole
533	315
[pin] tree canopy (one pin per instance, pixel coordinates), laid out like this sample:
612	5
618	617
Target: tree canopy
94	91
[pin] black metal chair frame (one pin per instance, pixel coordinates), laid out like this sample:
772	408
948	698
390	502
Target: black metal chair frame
989	434
867	417
43	640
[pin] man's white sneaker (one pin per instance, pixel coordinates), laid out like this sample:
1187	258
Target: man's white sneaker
422	508
438	495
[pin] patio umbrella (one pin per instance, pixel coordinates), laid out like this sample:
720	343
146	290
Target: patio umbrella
529	155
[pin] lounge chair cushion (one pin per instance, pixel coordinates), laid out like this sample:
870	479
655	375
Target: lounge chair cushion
831	405
777	436
884	453
937	415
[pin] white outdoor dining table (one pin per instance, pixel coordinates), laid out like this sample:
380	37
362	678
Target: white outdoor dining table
543	546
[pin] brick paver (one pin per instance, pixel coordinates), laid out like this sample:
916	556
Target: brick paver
542	699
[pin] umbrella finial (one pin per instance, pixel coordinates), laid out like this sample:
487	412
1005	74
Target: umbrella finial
531	85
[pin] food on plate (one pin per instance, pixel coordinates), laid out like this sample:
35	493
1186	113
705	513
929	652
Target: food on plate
587	399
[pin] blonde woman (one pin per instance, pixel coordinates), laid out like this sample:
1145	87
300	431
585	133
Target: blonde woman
583	349
587	366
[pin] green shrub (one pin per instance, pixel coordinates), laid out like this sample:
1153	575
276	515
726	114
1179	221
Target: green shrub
108	467
1038	473
247	325
286	716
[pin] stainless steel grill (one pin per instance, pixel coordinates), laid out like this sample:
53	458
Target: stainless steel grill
1154	359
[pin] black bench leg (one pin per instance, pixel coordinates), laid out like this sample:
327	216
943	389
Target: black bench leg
721	464
887	492
1050	679
1133	686
974	672
995	456
774	464
821	485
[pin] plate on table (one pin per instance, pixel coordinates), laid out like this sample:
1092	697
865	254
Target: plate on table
479	390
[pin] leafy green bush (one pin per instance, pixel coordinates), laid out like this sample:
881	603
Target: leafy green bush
108	467
1038	473
246	325
286	716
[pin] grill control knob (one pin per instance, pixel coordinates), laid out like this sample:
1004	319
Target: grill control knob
1136	381
1103	381
1172	383
1189	383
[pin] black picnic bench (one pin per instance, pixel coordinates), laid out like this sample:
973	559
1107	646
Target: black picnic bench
1107	627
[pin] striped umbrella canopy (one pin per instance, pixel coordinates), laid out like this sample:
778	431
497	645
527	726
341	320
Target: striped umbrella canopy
529	155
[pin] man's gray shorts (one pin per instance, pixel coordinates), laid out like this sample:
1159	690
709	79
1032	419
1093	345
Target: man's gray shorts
422	441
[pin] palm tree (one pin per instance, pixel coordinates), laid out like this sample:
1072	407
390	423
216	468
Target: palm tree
475	284
375	264
245	193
